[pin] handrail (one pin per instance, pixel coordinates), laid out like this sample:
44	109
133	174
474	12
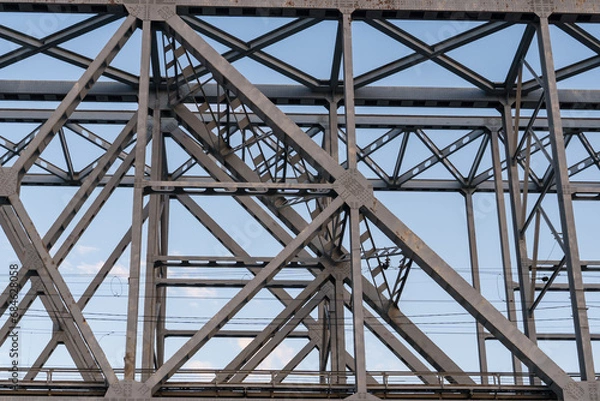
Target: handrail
385	379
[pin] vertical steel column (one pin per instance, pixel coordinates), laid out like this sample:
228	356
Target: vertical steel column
331	132
138	206
337	312
161	271
476	281
565	203
349	90
161	292
511	309
153	248
511	141
360	370
338	334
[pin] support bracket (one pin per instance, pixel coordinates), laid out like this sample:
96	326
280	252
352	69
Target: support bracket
127	390
354	189
362	397
9	184
32	259
582	391
145	11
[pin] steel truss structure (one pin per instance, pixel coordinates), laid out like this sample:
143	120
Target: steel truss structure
319	166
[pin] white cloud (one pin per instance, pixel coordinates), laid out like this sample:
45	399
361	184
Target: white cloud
243	342
200	365
85	250
93	268
120	271
278	358
88	268
202	293
195	364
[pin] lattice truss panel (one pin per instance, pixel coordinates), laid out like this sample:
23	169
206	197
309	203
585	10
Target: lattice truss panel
207	201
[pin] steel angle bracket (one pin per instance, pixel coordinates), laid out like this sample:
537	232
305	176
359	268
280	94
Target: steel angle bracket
9	183
354	189
146	10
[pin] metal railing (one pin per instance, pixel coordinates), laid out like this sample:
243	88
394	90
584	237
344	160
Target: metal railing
385	379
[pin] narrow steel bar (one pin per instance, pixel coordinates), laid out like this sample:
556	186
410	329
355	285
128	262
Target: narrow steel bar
349	112
594	155
569	71
358	318
331	130
97	140
155	203
583	36
511	309
510	143
28	43
66	153
138	205
535	255
337	316
336	61
476	280
162	272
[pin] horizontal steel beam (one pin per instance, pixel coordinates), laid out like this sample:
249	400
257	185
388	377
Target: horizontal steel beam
228	262
181	391
188	282
551	265
299	95
239	188
445	122
560	287
457	8
553	337
583	190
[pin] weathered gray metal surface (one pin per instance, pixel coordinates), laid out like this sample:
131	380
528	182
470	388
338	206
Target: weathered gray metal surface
485	6
303	162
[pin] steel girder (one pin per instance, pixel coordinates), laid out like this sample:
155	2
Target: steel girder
191	128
